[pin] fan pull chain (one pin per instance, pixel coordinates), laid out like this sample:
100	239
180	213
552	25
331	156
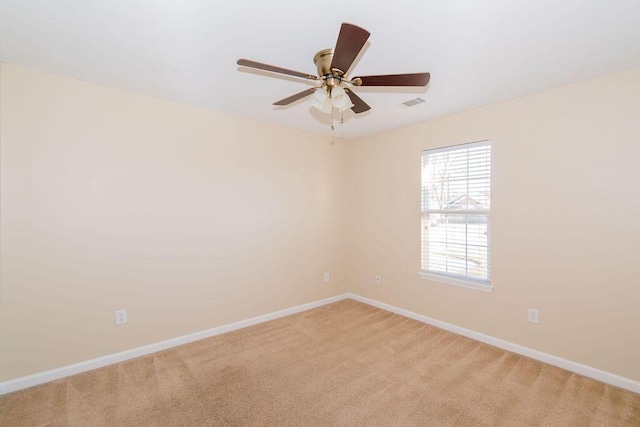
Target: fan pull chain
342	117
331	118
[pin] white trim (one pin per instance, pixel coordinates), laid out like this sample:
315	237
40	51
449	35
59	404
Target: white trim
450	280
462	146
65	371
569	365
486	212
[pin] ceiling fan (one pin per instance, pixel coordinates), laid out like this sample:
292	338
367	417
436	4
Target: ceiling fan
335	90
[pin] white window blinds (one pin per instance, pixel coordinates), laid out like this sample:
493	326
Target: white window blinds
456	205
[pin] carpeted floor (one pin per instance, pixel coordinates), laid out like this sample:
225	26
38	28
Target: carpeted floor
344	364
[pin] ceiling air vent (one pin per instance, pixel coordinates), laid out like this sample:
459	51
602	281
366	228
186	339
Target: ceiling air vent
412	102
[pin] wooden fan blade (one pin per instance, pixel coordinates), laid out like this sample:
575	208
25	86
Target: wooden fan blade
274	69
295	97
416	79
350	42
359	106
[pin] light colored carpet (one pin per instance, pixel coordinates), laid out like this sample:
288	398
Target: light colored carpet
345	364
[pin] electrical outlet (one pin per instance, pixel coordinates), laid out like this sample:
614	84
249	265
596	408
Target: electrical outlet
378	280
534	315
326	277
121	317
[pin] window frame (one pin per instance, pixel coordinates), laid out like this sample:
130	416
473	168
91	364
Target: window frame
453	278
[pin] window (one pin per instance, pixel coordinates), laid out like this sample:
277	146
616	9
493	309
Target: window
456	207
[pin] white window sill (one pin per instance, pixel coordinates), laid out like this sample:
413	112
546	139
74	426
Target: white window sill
450	280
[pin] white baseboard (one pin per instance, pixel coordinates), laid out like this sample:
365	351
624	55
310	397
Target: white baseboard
65	371
578	368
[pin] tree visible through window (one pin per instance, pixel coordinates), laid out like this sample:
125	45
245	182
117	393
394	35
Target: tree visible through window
456	205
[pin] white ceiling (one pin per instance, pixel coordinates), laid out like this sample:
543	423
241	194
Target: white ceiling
478	52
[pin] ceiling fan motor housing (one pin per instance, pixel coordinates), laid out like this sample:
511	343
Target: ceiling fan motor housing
323	60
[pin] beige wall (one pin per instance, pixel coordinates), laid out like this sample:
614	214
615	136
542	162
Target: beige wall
192	219
565	221
187	218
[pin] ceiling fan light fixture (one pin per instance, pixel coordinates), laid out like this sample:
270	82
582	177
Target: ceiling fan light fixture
340	99
320	100
332	66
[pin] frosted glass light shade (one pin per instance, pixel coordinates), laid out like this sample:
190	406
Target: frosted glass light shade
340	99
320	100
